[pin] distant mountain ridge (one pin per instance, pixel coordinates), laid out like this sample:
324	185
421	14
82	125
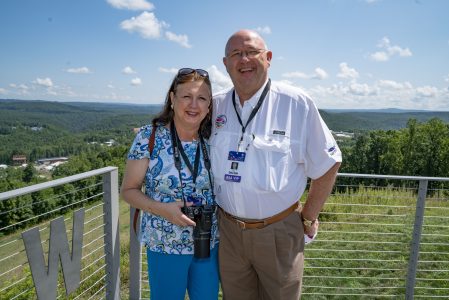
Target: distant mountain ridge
379	110
81	116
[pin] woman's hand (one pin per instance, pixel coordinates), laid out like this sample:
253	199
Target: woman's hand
172	212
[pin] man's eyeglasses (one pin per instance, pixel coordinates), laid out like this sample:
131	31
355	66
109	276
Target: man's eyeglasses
248	53
188	71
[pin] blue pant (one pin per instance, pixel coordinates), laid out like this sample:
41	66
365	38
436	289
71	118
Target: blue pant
171	274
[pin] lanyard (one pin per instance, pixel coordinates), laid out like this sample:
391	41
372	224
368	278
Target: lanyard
253	112
178	149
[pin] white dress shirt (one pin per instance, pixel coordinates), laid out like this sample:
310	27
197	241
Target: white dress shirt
286	142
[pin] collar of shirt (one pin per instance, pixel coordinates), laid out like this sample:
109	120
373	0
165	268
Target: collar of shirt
249	104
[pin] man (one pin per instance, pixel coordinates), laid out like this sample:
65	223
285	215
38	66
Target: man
267	139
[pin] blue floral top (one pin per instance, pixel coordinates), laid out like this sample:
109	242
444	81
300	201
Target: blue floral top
162	184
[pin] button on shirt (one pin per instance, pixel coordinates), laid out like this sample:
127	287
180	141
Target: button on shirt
286	142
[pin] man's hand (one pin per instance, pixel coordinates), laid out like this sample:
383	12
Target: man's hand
311	230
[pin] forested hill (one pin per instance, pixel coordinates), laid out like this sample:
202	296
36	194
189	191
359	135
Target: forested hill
85	116
74	116
344	120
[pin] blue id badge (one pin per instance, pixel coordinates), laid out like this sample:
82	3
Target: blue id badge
236	156
232	178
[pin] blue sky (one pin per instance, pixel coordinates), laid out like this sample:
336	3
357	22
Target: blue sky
345	53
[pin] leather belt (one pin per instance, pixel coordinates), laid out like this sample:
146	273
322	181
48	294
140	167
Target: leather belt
264	222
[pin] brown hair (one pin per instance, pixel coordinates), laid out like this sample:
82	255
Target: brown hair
166	115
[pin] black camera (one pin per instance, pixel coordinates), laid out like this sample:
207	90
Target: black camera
202	216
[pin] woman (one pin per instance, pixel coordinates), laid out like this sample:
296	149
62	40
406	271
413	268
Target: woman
176	176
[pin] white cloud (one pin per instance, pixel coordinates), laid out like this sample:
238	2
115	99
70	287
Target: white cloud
427	91
110	86
165	70
393	85
136	81
146	24
263	30
219	80
380	56
361	89
319	74
131	4
347	72
181	39
82	70
149	27
128	70
20	89
389	51
23	87
3	91
44	82
446	78
380	94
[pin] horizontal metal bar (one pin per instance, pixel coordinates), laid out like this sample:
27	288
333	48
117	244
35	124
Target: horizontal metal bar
428	296
357	250
433	252
438	207
343	268
360	223
353	259
363	242
366	205
371	295
361	232
53	183
353	288
354	277
93	251
362	215
411	178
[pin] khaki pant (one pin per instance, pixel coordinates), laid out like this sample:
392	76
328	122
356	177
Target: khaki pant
262	264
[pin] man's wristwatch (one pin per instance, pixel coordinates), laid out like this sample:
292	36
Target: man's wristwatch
306	222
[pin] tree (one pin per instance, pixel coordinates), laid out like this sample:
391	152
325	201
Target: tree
28	173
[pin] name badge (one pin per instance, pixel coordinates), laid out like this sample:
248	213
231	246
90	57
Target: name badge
279	132
232	178
236	156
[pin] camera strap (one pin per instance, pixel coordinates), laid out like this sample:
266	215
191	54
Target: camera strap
178	145
179	152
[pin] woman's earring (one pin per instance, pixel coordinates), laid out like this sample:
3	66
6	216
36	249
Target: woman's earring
171	106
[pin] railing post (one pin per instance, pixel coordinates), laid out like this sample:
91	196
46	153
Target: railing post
135	256
417	230
111	230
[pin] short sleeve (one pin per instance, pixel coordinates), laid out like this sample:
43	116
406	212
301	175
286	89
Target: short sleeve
139	147
322	151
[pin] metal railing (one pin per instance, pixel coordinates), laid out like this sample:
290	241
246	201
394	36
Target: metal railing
380	237
384	238
29	261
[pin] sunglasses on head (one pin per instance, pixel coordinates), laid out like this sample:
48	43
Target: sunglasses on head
187	71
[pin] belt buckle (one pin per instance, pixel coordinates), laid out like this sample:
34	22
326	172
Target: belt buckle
241	224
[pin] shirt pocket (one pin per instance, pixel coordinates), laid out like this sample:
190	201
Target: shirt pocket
269	163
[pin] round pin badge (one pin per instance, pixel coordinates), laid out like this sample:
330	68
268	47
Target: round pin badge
220	121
